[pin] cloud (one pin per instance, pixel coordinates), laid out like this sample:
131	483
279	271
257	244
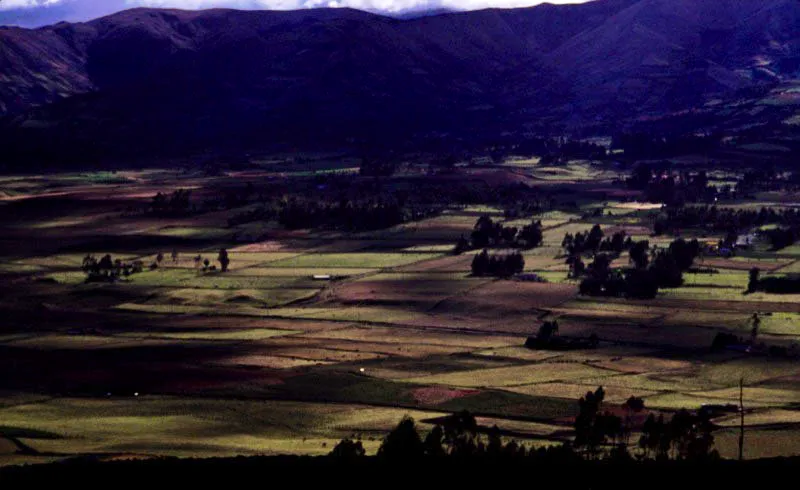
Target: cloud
376	5
39	12
16	4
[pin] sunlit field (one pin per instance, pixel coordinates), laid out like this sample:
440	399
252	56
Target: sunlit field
313	334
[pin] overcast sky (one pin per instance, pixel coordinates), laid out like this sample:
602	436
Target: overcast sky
31	13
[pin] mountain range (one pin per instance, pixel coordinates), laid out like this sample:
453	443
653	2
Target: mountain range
151	82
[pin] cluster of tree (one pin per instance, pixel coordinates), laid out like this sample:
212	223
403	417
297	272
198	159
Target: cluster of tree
725	340
567	150
547	338
176	204
662	185
662	268
686	436
513	210
767	179
553	151
351	215
712	218
458	436
782	237
789	284
204	264
593	241
230	198
505	265
261	213
642	146
596	429
487	233
106	269
598	433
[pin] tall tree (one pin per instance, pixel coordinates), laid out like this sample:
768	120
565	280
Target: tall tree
223	259
403	442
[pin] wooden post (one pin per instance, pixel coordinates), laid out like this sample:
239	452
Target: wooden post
741	415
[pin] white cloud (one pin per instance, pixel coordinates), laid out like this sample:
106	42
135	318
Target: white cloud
375	5
18	4
379	5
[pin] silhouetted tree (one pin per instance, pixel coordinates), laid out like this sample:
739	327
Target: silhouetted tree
348	450
223	259
547	331
403	442
593	428
460	433
752	283
462	245
434	442
639	254
755	325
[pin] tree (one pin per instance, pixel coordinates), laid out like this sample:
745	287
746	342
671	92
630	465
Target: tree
460	433
403	442
434	442
532	234
494	447
547	331
566	243
576	267
651	435
755	324
752	283
600	269
593	428
348	449
691	435
639	254
480	264
462	245
483	232
634	404
641	284
594	238
223	259
106	263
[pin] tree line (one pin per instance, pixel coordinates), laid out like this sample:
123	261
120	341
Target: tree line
488	233
108	269
598	434
660	268
497	265
662	185
713	218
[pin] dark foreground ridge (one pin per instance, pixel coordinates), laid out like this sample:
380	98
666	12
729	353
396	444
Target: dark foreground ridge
371	470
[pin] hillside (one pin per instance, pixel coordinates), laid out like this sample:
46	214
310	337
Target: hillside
145	81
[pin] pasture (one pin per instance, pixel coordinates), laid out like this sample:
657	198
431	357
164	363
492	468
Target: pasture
315	334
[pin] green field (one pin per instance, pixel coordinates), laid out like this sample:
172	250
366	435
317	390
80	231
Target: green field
266	359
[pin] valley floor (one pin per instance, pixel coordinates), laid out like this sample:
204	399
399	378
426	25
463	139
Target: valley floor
266	359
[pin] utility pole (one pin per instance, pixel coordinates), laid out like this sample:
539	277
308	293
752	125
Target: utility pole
741	416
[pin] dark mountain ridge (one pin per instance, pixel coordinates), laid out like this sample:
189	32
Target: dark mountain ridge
150	82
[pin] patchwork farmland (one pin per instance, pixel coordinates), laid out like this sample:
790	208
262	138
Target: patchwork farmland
318	333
